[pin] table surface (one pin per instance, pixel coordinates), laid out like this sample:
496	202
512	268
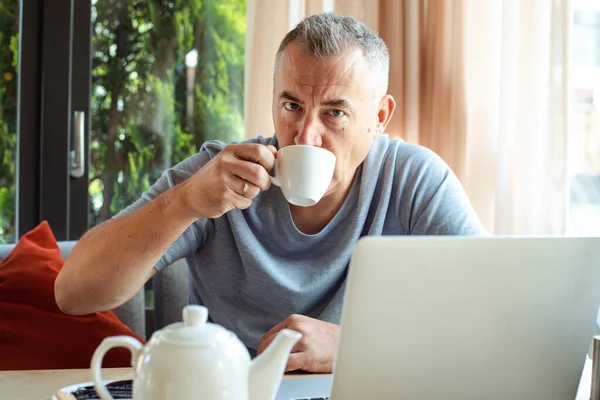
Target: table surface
42	384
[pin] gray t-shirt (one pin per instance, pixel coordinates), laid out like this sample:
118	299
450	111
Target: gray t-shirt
253	268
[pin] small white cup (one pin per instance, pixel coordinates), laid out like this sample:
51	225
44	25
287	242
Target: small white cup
303	173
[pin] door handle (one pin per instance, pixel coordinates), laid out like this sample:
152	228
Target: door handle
77	152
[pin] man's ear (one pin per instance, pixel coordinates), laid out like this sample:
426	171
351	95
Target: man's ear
387	105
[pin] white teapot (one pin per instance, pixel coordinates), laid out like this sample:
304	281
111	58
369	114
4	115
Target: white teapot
195	359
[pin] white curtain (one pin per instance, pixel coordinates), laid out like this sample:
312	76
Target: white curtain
517	108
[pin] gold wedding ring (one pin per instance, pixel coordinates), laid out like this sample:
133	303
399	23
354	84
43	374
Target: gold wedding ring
245	189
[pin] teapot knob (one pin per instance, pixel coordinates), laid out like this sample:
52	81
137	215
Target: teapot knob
195	315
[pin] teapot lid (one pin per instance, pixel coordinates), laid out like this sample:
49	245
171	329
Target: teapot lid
194	330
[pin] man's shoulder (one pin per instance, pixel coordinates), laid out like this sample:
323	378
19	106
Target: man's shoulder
406	156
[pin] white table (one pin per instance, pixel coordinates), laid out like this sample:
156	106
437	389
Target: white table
38	385
42	384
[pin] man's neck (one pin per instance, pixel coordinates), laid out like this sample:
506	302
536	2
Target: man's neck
312	220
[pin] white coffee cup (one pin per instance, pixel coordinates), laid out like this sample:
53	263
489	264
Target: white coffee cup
303	173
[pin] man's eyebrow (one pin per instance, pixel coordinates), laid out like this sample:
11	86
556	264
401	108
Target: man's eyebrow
341	103
287	95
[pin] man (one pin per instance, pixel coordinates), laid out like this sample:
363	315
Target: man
258	263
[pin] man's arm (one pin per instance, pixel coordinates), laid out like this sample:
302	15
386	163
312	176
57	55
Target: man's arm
112	261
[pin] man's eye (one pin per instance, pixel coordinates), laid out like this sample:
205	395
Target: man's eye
336	113
291	106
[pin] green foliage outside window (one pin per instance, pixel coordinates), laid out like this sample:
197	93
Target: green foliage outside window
141	121
9	39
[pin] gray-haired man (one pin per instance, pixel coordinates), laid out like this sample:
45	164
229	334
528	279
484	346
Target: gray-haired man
258	263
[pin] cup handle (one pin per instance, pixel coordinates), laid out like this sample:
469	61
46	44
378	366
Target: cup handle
132	344
274	179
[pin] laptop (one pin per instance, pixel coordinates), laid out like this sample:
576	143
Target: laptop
463	318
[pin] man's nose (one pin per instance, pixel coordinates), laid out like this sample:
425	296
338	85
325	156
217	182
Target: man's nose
309	134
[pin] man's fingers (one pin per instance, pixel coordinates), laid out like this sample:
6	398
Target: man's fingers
255	153
251	172
271	333
297	361
241	200
315	351
264	343
247	189
267	339
273	149
282	325
244	203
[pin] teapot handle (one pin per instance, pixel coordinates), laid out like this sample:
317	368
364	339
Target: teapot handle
132	344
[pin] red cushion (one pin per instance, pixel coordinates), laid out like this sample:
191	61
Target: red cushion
34	333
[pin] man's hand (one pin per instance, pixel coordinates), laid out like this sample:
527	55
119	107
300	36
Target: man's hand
230	180
315	352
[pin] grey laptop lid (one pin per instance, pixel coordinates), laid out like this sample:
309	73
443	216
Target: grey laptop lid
467	318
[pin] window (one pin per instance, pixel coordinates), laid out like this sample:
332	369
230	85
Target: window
585	118
149	80
9	45
586	38
166	76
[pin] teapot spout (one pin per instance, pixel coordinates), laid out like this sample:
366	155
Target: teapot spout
267	369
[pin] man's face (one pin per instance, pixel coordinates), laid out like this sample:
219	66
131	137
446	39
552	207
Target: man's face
328	103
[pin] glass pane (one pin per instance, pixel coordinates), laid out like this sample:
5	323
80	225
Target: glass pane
166	76
9	47
585	122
